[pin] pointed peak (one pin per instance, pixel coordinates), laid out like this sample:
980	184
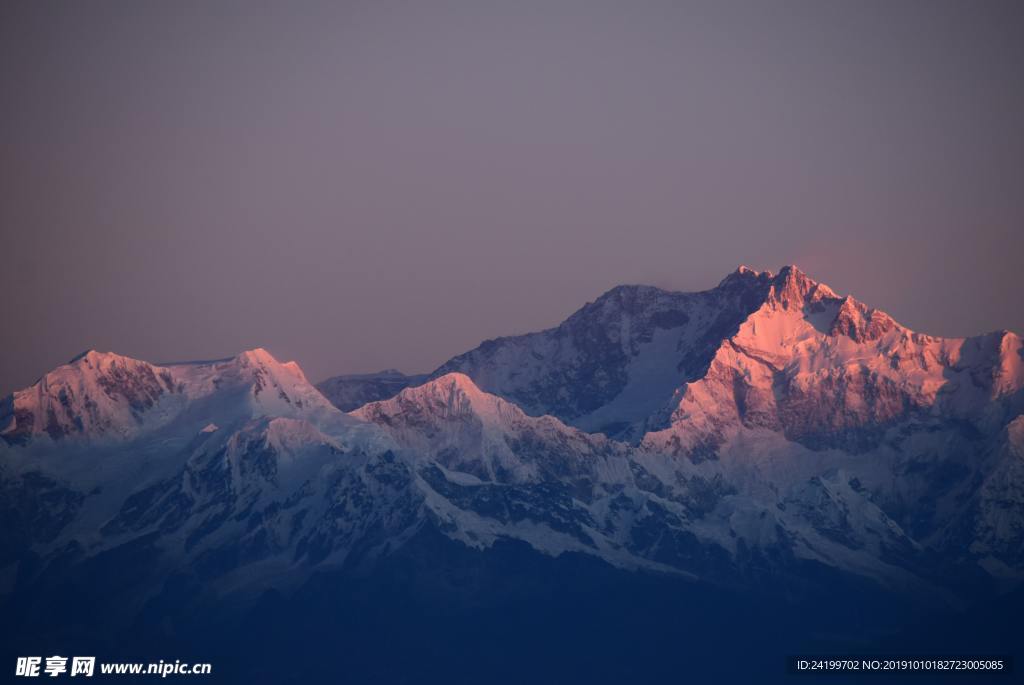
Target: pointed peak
451	396
453	380
859	322
93	362
257	355
793	289
453	384
94	356
744	271
91	352
851	303
745	275
95	394
259	361
792	275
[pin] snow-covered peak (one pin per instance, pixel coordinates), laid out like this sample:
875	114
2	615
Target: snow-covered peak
793	289
93	356
252	384
794	304
453	396
831	371
465	429
257	356
96	393
744	275
260	361
102	395
287	435
859	322
454	381
95	363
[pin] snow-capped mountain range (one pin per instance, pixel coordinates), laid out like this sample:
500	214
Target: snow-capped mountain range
737	435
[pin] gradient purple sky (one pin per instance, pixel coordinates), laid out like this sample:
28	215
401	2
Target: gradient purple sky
372	184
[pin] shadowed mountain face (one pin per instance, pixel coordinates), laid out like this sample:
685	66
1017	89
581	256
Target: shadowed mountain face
353	391
614	366
764	439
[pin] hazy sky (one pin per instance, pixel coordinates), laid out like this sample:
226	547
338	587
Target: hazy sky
375	184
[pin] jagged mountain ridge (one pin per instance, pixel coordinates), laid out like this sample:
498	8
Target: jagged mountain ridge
492	461
101	395
630	362
207	441
795	427
819	368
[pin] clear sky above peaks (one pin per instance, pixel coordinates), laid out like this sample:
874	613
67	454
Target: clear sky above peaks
377	184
